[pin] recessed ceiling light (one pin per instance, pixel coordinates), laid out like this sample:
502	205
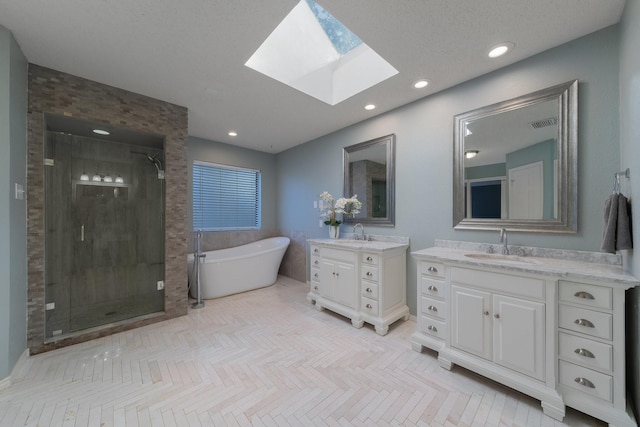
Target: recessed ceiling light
500	49
233	133
101	132
470	154
369	107
421	83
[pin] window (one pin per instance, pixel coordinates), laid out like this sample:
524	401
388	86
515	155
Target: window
225	197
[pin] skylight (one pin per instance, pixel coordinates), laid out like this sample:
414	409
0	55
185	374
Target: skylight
313	52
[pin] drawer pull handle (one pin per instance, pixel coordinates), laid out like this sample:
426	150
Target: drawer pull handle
315	288
369	258
369	273
315	251
582	294
584	382
432	270
497	316
369	290
584	352
315	275
432	289
368	305
486	313
584	322
315	262
432	308
432	328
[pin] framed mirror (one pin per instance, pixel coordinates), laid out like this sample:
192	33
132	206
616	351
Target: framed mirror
369	173
515	163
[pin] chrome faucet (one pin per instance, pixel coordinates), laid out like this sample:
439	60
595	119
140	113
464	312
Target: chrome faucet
361	235
503	240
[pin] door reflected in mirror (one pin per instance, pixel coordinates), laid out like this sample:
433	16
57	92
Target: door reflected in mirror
369	173
515	163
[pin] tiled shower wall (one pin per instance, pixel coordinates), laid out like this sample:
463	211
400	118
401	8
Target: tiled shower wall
59	93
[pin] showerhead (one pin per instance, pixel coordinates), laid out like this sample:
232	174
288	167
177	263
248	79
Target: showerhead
156	162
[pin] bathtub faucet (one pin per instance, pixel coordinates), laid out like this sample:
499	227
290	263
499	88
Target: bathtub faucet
361	235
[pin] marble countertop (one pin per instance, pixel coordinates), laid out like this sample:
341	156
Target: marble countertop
376	243
574	265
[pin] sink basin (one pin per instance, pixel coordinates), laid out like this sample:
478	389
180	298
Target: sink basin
503	258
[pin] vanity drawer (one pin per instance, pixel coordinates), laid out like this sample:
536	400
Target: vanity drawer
433	327
433	307
369	273
339	254
369	306
585	352
432	268
369	290
373	259
433	288
314	250
586	321
315	261
315	275
586	380
581	293
508	284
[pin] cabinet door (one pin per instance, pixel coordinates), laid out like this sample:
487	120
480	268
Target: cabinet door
519	335
346	286
327	279
470	321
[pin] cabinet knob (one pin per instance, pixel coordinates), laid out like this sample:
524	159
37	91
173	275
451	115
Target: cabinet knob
315	288
582	294
315	275
369	273
432	308
369	258
315	262
432	288
368	290
432	270
368	306
584	352
486	313
497	316
585	382
432	328
315	251
584	322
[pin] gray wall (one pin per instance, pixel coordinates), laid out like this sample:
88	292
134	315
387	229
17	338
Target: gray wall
424	151
13	223
630	155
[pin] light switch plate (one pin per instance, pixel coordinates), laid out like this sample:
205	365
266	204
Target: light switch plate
160	285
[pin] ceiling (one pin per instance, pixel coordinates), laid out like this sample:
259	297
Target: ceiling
192	53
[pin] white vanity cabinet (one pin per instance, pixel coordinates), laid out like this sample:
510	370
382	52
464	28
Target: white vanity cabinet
554	330
364	281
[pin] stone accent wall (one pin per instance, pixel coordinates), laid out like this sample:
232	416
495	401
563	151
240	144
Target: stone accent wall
59	93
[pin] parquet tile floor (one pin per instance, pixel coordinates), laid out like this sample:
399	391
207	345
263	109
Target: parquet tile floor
261	358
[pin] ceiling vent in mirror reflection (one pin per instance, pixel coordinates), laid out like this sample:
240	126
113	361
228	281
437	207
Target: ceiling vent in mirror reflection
551	121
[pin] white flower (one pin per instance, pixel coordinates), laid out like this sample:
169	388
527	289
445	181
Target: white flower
346	206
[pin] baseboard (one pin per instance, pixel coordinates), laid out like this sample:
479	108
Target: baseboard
6	382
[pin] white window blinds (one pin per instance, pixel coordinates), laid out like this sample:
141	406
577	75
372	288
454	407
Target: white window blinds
225	197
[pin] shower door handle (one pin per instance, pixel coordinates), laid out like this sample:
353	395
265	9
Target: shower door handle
82	233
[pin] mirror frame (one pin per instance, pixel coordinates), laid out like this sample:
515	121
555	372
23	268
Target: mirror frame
566	95
389	141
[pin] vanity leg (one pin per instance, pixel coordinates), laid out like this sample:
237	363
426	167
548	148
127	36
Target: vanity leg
357	323
406	317
382	330
416	346
553	410
319	307
444	363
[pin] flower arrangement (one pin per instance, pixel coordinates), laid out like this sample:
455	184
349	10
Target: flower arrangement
347	206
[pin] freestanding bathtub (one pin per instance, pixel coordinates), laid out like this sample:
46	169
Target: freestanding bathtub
243	268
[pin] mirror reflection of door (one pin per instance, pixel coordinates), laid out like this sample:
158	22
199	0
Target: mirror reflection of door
526	186
379	199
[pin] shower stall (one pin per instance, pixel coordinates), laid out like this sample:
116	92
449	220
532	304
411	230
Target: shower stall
105	228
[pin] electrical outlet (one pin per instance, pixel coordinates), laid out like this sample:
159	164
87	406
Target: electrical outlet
19	191
315	204
320	224
160	285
